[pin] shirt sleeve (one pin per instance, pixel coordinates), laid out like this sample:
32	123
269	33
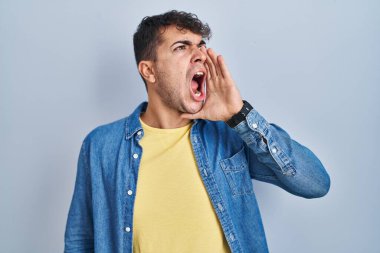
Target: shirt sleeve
79	226
276	158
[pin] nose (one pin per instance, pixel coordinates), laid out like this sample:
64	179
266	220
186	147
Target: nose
199	54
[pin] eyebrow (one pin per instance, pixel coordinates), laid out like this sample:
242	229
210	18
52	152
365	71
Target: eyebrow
188	42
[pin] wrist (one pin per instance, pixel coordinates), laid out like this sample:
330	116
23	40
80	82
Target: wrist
240	115
237	108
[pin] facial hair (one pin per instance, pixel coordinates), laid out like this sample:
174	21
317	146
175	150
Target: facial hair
172	95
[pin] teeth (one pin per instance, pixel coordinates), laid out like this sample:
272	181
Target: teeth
197	93
198	74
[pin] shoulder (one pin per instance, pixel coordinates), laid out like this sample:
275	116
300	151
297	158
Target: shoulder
220	133
107	133
111	134
219	128
219	140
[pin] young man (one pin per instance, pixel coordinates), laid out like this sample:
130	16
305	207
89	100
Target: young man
175	176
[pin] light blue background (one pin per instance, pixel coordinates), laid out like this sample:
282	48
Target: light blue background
313	67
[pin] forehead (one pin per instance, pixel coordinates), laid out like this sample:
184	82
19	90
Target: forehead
171	34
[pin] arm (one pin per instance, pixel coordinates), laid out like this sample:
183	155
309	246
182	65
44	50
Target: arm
276	158
79	228
273	156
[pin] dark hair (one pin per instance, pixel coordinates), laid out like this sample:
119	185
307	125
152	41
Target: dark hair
148	34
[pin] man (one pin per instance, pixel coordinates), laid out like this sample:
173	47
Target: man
175	176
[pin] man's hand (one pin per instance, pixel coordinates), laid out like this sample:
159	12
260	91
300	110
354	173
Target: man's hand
223	99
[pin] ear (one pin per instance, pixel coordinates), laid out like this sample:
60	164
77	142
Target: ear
147	71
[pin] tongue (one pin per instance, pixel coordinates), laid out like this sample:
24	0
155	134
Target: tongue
194	85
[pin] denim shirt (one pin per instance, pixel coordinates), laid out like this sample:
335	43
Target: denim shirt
101	212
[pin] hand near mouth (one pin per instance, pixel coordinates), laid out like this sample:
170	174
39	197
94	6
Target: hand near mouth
223	99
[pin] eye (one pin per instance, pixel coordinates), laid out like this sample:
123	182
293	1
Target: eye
202	45
180	48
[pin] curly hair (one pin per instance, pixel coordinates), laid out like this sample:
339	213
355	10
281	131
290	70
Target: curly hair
148	34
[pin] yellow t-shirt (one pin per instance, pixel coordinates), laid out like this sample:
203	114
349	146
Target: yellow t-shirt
173	213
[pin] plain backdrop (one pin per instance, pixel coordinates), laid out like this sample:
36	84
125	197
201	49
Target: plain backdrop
312	67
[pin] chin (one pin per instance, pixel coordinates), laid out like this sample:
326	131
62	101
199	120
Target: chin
194	107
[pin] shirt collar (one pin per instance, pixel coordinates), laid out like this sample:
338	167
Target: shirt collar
133	125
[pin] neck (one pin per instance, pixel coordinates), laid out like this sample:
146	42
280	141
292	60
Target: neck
159	115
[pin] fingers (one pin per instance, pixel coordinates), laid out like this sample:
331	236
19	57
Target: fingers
212	58
223	67
211	67
218	73
216	65
209	74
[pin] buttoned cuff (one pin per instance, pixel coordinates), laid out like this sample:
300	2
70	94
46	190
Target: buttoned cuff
253	131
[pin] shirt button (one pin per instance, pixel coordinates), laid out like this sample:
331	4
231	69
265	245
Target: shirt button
139	133
274	150
129	192
254	125
135	156
127	229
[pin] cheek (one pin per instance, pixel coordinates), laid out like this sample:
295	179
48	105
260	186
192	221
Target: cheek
181	78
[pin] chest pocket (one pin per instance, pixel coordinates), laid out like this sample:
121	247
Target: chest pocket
236	170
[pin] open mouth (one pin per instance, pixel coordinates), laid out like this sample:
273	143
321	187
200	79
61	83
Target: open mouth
197	85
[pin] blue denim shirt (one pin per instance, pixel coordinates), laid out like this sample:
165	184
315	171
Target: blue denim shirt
101	213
